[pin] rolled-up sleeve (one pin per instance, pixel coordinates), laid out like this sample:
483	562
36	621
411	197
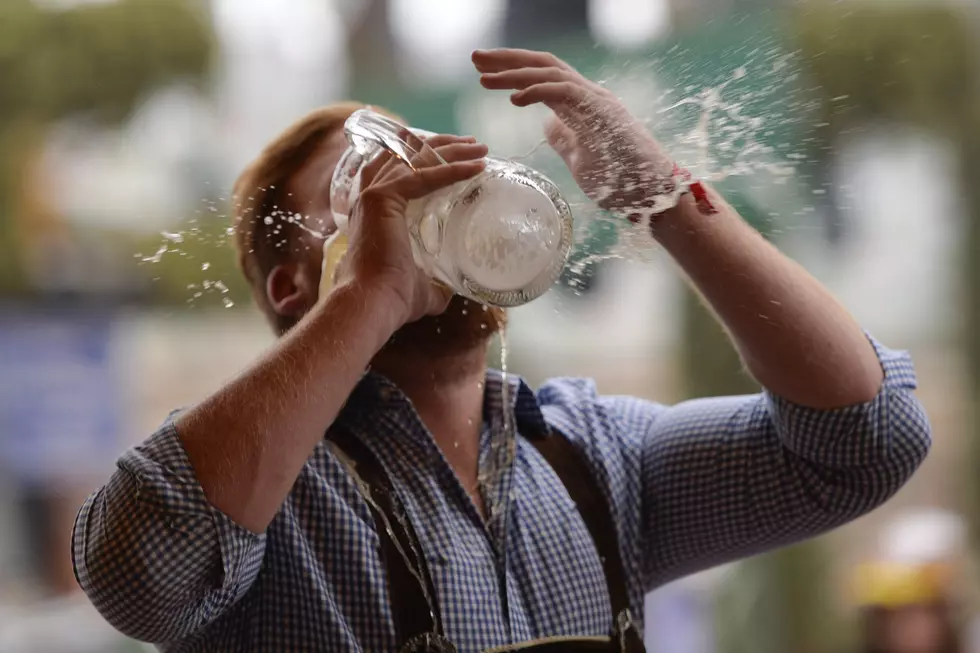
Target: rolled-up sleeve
153	556
890	434
731	477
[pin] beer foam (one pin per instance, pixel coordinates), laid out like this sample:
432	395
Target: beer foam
503	248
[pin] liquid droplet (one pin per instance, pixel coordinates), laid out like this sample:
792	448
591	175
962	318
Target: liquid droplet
157	256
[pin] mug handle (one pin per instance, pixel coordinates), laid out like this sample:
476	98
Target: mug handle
366	129
369	133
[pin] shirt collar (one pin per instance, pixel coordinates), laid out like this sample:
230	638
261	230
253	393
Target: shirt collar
376	391
527	412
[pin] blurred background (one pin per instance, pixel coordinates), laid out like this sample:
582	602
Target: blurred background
848	131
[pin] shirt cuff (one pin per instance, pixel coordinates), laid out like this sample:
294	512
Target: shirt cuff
168	487
848	436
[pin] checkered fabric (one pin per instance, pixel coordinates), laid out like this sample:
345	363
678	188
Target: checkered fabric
691	486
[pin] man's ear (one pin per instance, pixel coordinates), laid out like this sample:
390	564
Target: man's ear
287	292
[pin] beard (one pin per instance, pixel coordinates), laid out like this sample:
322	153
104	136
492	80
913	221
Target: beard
464	326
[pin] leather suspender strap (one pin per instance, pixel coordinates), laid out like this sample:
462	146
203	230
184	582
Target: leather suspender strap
580	481
416	615
410	586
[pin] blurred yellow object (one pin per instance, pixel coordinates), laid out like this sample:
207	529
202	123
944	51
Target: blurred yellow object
895	585
334	249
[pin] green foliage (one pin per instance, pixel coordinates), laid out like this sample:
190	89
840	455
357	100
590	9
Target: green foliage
911	64
780	602
915	65
96	58
970	183
193	266
99	60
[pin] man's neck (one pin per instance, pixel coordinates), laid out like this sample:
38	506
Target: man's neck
447	393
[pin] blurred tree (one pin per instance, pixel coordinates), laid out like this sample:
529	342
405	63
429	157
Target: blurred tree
767	604
970	183
870	64
908	64
94	60
915	65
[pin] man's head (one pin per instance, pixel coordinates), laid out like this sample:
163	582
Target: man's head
281	216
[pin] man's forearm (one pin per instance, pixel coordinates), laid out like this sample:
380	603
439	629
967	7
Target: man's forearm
249	441
795	338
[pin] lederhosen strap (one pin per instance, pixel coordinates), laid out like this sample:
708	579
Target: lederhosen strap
413	598
580	482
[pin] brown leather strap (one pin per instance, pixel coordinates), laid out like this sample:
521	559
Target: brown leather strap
409	604
582	486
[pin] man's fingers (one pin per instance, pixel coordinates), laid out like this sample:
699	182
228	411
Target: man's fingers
448	139
568	101
450	153
421	182
407	145
371	171
393	168
428	158
430	152
416	144
522	78
542	78
496	60
552	94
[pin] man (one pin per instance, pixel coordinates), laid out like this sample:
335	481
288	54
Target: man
240	526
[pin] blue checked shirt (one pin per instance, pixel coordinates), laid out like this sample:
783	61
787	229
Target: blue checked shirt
691	486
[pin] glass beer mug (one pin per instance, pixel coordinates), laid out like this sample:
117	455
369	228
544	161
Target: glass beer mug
500	238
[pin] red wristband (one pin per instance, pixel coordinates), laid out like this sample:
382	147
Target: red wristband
697	189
